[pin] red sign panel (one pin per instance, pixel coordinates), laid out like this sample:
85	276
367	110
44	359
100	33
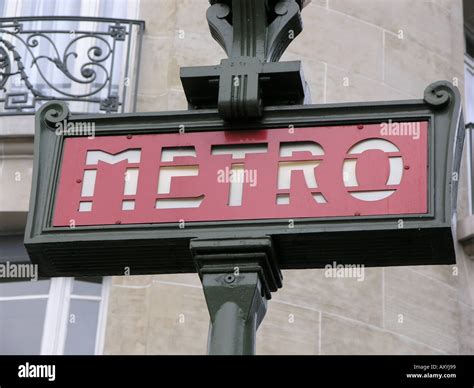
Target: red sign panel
337	171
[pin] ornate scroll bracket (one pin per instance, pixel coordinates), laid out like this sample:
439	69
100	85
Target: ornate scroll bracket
54	113
254	34
438	94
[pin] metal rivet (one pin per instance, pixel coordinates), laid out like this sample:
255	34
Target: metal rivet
129	136
360	126
407	167
229	278
222	11
118	222
78	180
357	213
281	9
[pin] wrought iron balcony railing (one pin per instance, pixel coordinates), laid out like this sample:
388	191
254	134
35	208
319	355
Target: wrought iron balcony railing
90	62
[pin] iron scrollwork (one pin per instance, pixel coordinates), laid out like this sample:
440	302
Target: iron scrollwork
77	65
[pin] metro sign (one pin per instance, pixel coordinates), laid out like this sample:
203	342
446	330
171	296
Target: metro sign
362	183
330	171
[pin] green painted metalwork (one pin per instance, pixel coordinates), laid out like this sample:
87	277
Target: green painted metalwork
254	34
236	307
238	276
239	262
311	243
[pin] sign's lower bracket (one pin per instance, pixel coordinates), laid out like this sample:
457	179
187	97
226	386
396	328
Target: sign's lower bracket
238	276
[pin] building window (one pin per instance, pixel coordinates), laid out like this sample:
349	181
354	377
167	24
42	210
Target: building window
22	315
54	316
62	315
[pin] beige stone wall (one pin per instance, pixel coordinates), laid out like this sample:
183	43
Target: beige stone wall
352	50
16	161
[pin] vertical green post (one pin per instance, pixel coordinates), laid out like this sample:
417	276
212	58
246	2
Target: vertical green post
238	276
236	307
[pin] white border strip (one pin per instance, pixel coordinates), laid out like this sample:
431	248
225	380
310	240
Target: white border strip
102	319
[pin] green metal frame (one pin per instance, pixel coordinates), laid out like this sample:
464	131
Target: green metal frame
470	129
312	243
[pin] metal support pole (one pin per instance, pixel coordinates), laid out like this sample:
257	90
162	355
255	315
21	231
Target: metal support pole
238	277
236	307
